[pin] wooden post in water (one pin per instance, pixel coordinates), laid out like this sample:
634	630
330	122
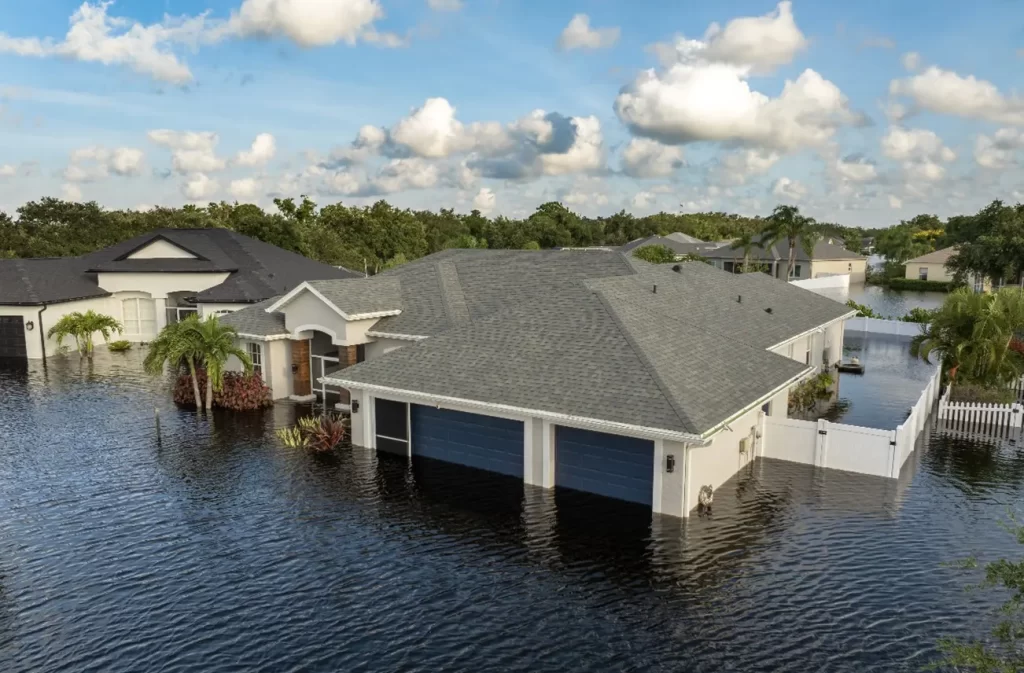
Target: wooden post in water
156	416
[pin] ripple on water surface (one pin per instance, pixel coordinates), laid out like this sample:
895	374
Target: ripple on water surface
213	549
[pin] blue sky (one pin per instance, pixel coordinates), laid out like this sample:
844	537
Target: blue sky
863	113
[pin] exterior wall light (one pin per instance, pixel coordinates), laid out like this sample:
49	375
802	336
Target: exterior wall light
30	325
355	406
670	463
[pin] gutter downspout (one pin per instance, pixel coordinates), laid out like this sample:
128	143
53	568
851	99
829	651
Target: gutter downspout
42	331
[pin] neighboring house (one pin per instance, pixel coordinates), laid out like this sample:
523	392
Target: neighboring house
681	244
145	282
587	370
932	267
830	258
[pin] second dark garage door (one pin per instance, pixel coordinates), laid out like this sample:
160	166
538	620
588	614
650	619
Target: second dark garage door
610	465
12	336
484	442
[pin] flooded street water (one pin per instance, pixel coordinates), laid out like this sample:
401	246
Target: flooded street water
211	548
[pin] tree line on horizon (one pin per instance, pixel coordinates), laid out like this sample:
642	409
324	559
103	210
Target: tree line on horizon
379	236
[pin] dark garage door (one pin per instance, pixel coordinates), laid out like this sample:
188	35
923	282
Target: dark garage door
484	442
610	465
12	336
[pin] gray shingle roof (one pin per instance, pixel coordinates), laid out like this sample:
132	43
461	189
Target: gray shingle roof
258	270
45	281
361	295
823	250
256	321
545	335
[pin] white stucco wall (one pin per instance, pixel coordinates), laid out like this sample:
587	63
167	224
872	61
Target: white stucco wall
305	313
379	347
857	268
277	365
159	284
673	484
51	315
160	249
716	463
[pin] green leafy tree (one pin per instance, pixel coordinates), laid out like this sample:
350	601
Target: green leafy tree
83	327
215	343
787	224
898	245
975	335
989	244
178	347
655	254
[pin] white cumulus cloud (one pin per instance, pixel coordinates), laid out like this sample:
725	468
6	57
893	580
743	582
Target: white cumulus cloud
312	23
244	188
947	92
921	153
262	151
200	187
580	35
911	60
485	200
90	164
786	188
855	169
191	151
8	170
71	192
1000	150
646	158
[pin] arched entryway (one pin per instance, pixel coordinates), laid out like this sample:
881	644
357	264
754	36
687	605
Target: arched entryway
323	357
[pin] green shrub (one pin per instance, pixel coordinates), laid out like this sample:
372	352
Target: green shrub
919	315
976	394
655	254
862	310
920	285
238	393
119	346
804	395
319	433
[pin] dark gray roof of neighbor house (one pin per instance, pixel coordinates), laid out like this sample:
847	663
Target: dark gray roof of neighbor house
824	249
256	321
32	282
361	295
542	335
257	270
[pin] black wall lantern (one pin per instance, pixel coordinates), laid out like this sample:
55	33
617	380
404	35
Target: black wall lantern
30	325
355	406
670	463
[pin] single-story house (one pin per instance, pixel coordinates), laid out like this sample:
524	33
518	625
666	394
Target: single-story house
830	258
933	267
588	370
146	282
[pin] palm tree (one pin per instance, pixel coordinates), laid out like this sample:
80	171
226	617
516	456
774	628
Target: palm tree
744	242
177	346
975	335
786	223
83	326
216	342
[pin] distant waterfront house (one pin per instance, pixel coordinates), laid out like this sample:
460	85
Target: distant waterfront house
933	267
587	370
829	258
146	282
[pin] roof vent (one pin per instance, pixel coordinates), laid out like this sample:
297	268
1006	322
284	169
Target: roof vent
677	268
655	289
768	310
739	299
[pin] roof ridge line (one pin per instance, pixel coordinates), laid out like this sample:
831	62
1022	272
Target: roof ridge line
23	272
651	369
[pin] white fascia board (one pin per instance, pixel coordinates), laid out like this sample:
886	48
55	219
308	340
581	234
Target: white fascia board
280	303
574	421
400	337
263	337
820	327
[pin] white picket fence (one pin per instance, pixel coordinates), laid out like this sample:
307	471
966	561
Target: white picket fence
850	448
975	417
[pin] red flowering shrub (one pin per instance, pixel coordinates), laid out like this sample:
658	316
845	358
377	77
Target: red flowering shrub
239	392
1017	345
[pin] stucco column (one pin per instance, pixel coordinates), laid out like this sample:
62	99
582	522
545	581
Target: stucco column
160	306
347	356
300	369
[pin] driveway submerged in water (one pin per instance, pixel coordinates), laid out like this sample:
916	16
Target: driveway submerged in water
215	549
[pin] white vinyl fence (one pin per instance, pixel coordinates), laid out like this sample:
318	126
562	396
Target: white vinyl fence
898	328
974	417
849	447
834	281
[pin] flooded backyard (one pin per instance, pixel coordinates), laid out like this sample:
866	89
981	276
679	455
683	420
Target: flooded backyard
211	548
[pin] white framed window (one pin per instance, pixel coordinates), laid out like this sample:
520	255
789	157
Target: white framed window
138	316
255	349
922	273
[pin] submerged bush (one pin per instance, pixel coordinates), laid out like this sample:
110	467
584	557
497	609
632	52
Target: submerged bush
240	392
804	395
119	346
319	433
976	394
